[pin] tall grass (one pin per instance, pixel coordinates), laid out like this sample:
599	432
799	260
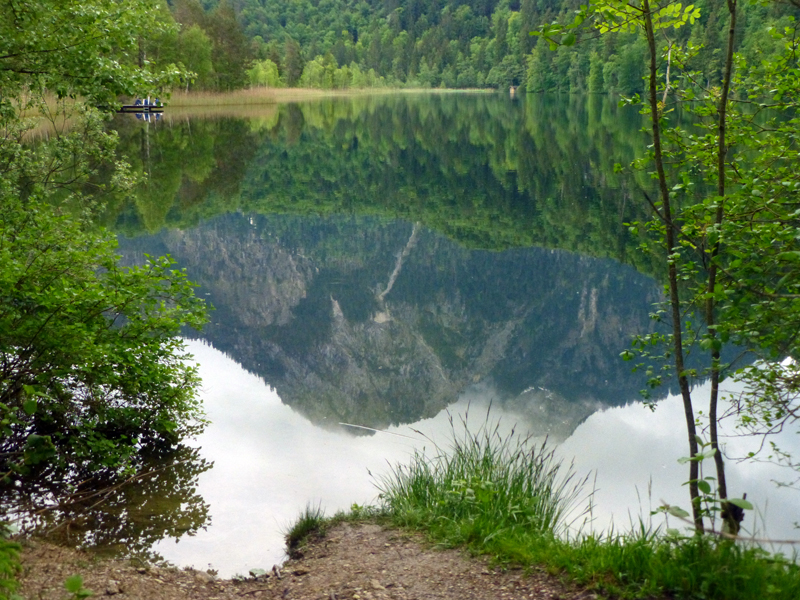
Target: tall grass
509	497
484	487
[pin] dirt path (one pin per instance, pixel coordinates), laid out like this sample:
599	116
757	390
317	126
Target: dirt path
359	562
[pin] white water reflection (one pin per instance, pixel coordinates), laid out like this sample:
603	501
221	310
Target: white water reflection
271	462
635	451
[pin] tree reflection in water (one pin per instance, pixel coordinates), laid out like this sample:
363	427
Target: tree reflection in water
113	517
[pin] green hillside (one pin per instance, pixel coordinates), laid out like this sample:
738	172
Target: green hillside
429	43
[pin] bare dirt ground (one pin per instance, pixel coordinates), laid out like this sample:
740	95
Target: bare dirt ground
359	562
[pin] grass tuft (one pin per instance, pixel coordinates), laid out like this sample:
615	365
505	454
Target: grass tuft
485	490
311	522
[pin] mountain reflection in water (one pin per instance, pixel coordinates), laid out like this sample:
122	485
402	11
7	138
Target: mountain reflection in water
375	261
371	258
380	324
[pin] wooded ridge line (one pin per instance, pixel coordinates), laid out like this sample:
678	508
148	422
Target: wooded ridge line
421	43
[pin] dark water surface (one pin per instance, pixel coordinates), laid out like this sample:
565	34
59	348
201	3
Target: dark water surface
377	262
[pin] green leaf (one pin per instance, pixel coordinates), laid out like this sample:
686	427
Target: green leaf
707	454
74	584
29	406
677	511
704	486
741	503
569	40
257	572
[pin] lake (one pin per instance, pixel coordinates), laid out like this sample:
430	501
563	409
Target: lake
379	266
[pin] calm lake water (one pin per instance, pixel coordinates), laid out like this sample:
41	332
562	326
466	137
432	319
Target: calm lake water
386	263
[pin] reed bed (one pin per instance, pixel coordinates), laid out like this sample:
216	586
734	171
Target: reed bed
253	103
254	96
46	128
44	117
264	95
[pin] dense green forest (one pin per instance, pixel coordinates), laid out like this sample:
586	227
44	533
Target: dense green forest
430	43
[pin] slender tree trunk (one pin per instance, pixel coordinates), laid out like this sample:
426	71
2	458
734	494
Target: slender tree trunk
674	297
722	115
142	56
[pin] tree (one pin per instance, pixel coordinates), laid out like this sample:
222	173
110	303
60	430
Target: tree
314	74
714	236
89	356
91	371
264	73
194	52
748	229
231	54
595	80
70	47
292	63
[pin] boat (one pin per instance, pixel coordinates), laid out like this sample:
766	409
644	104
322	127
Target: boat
142	106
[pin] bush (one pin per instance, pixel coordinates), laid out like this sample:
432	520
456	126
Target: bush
91	370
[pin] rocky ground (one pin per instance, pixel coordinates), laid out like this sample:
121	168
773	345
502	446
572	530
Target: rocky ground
359	562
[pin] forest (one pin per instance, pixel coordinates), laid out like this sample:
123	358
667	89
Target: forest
338	44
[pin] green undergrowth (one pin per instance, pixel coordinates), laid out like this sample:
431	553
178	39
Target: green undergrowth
509	498
9	565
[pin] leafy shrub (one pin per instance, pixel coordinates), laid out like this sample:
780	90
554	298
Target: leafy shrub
91	369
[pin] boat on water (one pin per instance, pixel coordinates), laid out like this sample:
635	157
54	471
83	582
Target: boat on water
145	105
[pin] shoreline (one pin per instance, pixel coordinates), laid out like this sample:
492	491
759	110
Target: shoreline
354	561
268	96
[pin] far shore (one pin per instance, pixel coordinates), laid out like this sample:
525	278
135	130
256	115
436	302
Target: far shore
251	102
264	95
